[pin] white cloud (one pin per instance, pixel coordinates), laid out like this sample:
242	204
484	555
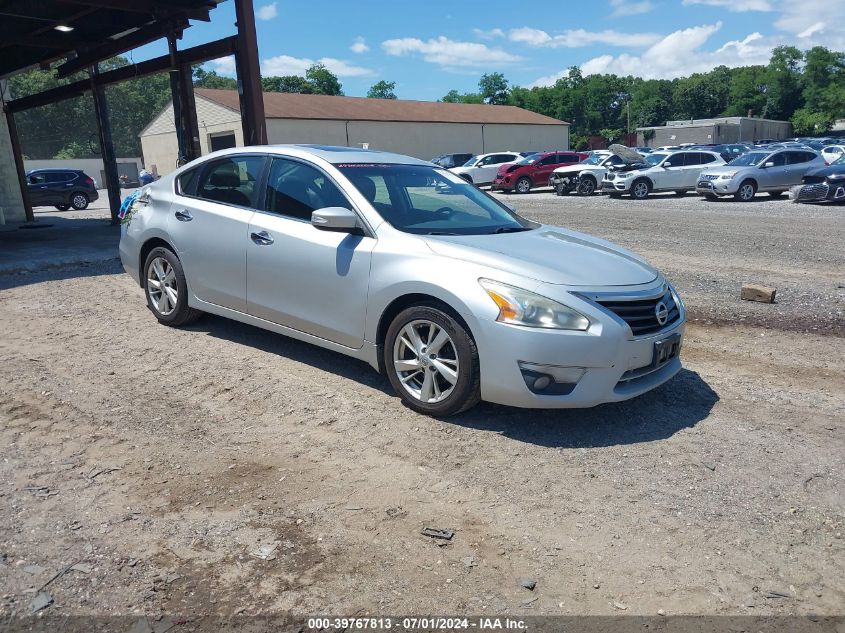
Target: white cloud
267	12
622	8
449	53
488	35
287	65
225	65
737	6
359	45
800	20
579	37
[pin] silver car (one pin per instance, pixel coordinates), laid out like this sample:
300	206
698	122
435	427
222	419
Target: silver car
406	266
758	170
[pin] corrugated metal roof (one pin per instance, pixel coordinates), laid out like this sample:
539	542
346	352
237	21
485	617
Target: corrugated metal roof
283	105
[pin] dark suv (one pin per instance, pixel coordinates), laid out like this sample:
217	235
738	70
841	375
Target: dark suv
533	171
447	161
61	188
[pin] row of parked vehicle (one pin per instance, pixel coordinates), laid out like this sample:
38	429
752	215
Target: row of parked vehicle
713	171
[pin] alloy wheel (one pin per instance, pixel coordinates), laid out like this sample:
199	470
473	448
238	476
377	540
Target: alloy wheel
425	360
640	190
161	286
523	186
746	192
80	201
586	187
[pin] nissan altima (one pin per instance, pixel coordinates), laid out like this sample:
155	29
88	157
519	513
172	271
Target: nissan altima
402	264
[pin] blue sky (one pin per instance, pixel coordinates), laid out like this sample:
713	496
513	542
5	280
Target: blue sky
432	47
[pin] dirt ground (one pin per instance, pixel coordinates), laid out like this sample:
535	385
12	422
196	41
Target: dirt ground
160	460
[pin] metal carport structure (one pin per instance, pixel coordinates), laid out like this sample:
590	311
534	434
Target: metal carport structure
37	33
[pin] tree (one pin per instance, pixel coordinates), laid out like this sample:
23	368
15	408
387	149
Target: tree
453	96
210	79
493	88
323	81
382	90
747	91
783	81
808	123
287	83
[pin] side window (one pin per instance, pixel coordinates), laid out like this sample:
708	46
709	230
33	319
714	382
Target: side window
231	180
485	161
186	182
295	189
691	159
551	159
56	176
37	179
498	159
707	158
568	158
778	159
796	158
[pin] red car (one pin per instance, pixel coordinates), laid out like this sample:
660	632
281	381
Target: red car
533	171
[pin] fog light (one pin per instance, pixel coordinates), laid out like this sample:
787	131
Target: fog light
542	382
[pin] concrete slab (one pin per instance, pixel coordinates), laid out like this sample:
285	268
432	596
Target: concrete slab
61	238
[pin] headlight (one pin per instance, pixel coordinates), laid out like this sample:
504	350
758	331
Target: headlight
520	307
727	176
836	177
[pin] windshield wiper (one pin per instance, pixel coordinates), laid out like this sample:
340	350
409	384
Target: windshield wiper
441	233
511	229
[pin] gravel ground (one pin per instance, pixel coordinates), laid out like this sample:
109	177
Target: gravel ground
163	460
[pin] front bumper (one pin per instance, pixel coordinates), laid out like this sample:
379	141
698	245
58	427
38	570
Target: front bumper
503	183
717	187
616	365
616	185
819	192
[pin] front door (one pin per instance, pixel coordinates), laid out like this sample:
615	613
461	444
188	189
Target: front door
36	185
775	176
209	225
672	175
299	276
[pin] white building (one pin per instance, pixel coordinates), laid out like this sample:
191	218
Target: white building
422	129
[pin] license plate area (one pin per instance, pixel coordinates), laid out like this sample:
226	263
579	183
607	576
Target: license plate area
665	350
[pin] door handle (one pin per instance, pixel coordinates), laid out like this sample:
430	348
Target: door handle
262	238
184	216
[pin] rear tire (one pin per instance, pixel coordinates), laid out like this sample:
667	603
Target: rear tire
640	189
439	383
79	201
746	192
63	207
523	185
166	289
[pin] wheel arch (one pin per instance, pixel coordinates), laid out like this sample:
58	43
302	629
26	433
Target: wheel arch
405	301
146	249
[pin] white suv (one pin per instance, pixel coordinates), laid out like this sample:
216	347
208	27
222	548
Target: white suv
659	171
584	178
482	169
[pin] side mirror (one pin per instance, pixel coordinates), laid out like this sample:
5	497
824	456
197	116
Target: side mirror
769	164
335	219
667	165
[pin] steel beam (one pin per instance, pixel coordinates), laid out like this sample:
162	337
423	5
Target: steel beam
101	110
213	50
251	96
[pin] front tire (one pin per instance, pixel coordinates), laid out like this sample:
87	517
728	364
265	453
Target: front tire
640	189
166	289
432	361
586	186
746	192
523	185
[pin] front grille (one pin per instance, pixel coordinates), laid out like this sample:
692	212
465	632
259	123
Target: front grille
640	315
709	177
813	192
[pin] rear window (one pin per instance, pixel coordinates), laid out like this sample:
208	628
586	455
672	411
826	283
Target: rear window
186	183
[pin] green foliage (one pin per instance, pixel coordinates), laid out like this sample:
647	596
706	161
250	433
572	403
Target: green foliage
382	90
494	88
287	83
808	88
210	79
323	81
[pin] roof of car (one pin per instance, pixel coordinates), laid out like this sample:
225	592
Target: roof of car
46	169
338	154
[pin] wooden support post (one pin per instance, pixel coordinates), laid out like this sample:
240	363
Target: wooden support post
101	110
19	166
249	76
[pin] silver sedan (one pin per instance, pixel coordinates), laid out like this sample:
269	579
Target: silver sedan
394	261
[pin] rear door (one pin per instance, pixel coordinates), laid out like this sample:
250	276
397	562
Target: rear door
797	164
209	226
705	160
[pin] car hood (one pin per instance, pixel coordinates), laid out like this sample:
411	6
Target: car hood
628	154
549	254
829	170
574	169
726	169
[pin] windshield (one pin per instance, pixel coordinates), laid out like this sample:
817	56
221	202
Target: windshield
430	201
655	159
751	158
594	159
472	161
529	160
839	161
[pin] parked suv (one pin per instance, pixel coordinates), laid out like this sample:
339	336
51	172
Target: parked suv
447	161
583	178
659	171
533	171
481	170
61	188
826	184
759	170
